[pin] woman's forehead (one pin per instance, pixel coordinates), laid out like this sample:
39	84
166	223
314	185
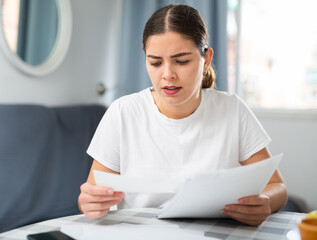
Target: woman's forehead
169	42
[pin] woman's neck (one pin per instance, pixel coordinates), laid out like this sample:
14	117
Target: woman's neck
177	111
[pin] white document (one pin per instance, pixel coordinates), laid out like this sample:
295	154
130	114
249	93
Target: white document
202	196
135	184
205	195
123	231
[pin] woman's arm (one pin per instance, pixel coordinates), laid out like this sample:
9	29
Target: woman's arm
276	188
254	210
99	167
95	201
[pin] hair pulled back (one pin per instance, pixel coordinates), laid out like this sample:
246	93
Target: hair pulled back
187	21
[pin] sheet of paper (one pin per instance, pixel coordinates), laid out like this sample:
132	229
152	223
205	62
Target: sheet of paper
135	184
205	195
123	231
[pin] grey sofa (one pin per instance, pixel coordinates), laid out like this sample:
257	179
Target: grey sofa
43	160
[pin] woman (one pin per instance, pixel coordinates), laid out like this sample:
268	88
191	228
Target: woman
179	127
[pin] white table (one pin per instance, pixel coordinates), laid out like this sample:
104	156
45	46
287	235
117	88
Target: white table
276	226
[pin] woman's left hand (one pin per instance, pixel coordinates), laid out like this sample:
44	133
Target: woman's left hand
252	210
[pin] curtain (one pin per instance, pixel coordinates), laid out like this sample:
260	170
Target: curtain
132	74
38	26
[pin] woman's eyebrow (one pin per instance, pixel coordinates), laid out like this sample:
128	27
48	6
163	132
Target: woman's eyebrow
152	56
181	54
173	56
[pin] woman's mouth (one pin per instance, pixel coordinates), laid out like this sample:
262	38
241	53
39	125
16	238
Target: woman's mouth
171	90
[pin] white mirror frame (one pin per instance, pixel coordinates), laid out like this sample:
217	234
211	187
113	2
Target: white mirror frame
59	50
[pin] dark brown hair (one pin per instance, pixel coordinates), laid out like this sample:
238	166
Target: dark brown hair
187	21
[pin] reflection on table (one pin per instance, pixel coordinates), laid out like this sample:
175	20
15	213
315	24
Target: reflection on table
276	227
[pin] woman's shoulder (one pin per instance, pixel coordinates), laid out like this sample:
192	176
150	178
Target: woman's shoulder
220	97
226	101
131	101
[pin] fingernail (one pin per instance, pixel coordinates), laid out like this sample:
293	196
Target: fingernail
240	201
110	191
227	208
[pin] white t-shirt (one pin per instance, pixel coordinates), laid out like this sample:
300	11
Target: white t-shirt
135	139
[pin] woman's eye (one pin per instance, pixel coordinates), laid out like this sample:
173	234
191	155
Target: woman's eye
155	64
182	62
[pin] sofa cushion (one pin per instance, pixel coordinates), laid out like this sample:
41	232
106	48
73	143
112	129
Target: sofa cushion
43	160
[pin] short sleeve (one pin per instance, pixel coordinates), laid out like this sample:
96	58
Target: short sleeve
252	135
105	144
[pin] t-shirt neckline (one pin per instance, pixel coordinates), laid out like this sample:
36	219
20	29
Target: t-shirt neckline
171	120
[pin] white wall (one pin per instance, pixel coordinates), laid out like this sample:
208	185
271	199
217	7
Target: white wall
95	27
295	134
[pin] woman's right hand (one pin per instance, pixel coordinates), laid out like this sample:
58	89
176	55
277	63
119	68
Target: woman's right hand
95	201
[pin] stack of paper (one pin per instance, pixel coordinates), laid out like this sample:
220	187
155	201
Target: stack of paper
204	195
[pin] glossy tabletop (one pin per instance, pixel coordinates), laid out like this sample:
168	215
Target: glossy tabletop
277	226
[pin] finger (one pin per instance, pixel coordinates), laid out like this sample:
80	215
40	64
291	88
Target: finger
249	209
96	214
254	223
245	218
87	198
255	200
92	207
96	190
119	195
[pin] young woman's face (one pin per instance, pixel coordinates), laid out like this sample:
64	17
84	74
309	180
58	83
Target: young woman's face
175	67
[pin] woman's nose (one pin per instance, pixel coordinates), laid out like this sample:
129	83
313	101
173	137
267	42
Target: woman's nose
168	72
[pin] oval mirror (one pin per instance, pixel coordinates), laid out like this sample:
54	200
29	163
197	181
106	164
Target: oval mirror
35	34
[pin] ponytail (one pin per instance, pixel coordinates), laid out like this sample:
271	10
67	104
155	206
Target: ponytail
209	78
